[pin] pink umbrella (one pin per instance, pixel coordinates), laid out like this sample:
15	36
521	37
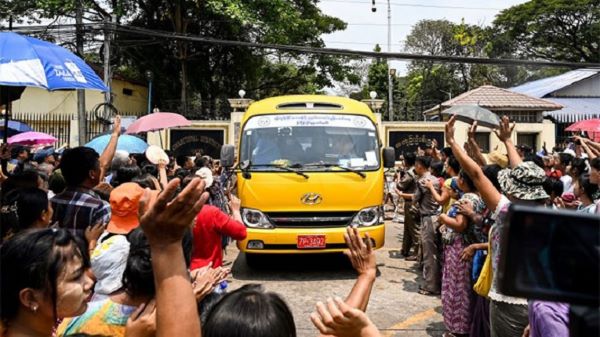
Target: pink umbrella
158	121
32	138
591	126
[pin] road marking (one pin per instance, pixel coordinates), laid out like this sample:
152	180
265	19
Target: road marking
412	320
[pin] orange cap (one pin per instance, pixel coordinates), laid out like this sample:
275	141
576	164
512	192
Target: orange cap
124	204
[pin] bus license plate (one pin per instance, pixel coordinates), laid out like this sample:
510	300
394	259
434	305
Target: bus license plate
311	241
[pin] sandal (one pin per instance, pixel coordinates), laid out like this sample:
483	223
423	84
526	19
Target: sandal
426	292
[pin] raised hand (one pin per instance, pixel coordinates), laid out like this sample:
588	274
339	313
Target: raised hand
472	131
449	131
166	220
339	319
361	254
505	130
117	125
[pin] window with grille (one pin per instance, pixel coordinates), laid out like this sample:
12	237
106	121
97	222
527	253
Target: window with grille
526	116
483	140
529	139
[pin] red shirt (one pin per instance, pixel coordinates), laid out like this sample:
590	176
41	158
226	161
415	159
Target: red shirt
211	224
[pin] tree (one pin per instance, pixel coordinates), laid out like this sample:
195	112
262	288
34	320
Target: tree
204	75
565	30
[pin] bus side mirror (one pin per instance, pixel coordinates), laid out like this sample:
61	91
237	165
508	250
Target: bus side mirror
227	155
389	157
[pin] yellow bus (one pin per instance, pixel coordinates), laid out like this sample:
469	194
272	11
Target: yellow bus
308	167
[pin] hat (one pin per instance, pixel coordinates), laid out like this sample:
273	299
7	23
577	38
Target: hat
524	182
155	154
570	152
124	204
41	154
108	261
499	158
524	147
206	174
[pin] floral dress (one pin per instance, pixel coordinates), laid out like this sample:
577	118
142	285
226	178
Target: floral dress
457	290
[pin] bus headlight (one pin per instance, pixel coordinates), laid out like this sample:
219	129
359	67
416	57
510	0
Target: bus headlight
255	219
368	216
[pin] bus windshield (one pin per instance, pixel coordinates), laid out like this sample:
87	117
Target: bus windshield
310	142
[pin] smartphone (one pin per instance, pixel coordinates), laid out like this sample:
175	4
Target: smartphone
551	255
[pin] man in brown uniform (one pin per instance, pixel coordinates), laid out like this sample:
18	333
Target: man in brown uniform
429	210
405	190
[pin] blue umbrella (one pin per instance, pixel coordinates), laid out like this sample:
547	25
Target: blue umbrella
131	144
30	62
14	127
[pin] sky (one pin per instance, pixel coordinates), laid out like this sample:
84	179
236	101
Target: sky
367	28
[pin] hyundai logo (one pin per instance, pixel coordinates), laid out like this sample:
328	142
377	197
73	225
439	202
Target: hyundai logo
311	199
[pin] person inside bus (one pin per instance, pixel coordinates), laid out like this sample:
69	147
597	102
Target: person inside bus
290	147
266	150
343	147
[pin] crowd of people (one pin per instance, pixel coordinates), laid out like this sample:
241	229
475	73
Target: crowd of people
113	244
454	219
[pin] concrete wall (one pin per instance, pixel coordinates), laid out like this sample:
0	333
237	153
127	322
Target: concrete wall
545	131
36	100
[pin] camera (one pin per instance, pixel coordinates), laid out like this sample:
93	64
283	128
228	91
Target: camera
553	256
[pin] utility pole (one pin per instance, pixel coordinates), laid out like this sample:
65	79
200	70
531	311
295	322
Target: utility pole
107	72
389	42
389	49
81	115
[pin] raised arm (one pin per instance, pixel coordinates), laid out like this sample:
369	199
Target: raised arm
435	153
162	174
347	318
504	133
362	256
476	151
165	225
488	192
586	147
109	152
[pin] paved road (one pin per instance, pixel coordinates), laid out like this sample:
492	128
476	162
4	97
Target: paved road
395	306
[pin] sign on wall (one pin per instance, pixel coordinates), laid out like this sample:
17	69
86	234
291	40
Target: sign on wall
191	141
408	141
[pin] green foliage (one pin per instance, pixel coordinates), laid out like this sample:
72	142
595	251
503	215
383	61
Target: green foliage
567	30
214	73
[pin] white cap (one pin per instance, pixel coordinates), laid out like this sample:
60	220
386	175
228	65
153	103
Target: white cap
206	174
155	154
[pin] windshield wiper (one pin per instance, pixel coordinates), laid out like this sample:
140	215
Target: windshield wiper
286	168
323	164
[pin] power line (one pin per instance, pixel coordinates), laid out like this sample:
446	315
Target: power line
398	4
332	51
350	52
359	43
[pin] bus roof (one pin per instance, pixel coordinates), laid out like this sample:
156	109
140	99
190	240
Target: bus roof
308	104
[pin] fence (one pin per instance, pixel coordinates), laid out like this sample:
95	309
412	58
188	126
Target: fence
59	125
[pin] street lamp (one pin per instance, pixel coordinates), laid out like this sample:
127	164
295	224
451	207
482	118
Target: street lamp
149	76
240	103
373	103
